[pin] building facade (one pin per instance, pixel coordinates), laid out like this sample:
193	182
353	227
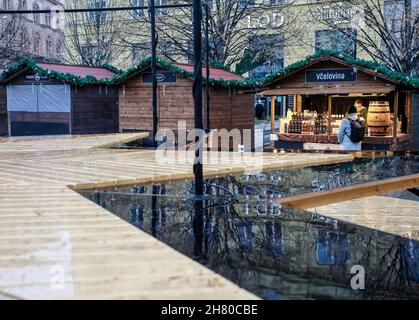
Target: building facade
36	35
276	33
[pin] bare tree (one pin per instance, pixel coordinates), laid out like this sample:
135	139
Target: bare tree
387	30
234	27
10	26
92	38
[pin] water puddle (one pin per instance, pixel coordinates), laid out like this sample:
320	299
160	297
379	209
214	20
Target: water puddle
273	251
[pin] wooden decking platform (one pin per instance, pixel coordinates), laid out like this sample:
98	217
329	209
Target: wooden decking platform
393	215
54	243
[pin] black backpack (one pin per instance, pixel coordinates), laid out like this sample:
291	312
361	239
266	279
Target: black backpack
357	130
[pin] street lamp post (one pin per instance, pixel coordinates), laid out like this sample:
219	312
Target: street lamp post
154	68
199	126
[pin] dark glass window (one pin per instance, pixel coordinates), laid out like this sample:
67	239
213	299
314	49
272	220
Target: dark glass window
343	41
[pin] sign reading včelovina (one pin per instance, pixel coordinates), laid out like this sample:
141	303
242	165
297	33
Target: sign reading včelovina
331	75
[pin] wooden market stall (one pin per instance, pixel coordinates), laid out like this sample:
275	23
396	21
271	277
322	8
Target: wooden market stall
51	99
322	88
228	108
3	111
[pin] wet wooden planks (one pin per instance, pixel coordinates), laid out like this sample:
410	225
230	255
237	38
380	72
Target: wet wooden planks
54	243
393	215
361	190
71	248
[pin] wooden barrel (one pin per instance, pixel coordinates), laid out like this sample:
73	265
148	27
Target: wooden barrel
379	120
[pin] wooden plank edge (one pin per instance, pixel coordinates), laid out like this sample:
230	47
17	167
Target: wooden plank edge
321	198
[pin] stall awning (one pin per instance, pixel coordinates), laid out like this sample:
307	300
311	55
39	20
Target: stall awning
328	90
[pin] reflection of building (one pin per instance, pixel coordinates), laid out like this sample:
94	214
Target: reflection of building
36	34
292	255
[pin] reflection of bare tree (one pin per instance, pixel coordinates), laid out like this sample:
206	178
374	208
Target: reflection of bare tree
396	274
248	239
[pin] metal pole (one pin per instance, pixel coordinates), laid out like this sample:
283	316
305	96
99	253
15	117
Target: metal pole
154	68
197	94
84	10
207	85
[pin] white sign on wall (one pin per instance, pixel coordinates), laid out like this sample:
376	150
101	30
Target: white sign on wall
340	13
266	20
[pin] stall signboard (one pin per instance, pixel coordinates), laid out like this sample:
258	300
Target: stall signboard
331	75
266	68
35	77
162	77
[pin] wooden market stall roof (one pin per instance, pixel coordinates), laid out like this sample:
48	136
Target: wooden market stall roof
78	75
388	79
219	76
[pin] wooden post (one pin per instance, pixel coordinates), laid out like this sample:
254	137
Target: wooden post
329	111
396	114
408	112
272	114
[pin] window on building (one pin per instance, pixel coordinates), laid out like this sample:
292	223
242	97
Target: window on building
210	4
167	48
37	43
58	48
48	19
7	4
137	13
213	43
97	16
275	2
48	46
268	54
140	51
23	5
36	16
162	11
246	3
341	41
91	54
25	40
190	52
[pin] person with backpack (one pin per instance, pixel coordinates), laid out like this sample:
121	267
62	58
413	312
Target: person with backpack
351	131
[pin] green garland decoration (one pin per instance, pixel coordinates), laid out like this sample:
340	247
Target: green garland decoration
119	76
372	65
165	64
112	68
54	75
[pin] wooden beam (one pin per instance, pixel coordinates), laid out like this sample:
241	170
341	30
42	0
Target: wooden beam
408	112
272	115
329	116
333	90
396	114
317	199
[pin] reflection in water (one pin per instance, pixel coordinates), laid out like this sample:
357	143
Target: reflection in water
332	247
277	252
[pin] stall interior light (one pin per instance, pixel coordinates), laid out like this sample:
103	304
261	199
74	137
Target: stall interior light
367	95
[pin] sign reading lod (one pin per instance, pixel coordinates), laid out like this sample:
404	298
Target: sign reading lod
164	77
332	75
265	21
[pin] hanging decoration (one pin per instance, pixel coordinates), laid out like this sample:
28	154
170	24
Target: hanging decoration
372	65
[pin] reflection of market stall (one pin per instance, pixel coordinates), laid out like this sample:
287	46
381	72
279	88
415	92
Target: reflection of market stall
324	86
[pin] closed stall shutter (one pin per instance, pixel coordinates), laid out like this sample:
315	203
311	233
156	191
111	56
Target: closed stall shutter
39	109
